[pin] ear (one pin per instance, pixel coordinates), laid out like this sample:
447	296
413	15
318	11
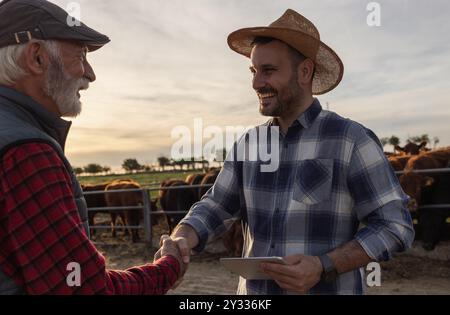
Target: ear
35	58
305	71
427	181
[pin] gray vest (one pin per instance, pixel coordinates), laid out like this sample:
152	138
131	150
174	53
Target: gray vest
22	120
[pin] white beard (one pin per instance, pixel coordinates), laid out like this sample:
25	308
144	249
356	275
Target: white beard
63	88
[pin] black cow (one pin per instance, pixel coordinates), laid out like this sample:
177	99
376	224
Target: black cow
432	221
176	200
94	201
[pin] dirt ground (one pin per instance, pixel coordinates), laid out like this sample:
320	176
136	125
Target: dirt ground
413	272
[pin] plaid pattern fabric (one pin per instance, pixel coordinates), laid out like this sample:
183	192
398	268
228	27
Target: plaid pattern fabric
41	233
333	184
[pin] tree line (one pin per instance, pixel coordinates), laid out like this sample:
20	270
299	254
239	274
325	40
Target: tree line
394	140
131	165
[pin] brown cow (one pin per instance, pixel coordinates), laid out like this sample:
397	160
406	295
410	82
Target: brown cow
398	162
403	160
428	189
194	179
396	165
413	183
125	199
210	178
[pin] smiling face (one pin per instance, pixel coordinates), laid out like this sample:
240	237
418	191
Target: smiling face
275	78
68	72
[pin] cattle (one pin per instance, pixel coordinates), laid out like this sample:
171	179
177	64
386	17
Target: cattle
396	165
428	189
412	148
183	199
399	161
412	183
176	200
233	239
403	160
125	199
195	179
208	179
94	201
433	220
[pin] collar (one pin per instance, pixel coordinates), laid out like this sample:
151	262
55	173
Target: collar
305	119
49	122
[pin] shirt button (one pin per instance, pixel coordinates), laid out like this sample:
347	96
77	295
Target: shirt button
272	245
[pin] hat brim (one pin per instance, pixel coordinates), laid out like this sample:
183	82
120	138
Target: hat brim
329	68
80	33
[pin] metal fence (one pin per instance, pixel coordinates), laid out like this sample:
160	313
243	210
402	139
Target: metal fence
430	171
148	212
146	207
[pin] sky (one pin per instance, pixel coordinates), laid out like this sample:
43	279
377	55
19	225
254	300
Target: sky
168	63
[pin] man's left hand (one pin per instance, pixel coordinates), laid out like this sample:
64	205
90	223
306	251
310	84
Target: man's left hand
300	273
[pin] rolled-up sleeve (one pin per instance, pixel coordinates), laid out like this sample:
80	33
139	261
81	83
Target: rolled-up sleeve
219	207
380	203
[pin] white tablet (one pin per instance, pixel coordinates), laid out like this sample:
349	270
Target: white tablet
249	267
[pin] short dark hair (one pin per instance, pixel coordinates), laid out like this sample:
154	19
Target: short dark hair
296	56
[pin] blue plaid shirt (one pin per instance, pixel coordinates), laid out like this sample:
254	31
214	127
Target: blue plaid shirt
333	184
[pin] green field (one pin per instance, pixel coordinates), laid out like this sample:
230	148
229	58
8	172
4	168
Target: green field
144	179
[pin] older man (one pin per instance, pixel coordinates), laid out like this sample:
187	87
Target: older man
43	215
333	204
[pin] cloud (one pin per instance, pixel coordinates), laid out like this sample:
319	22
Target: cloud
168	63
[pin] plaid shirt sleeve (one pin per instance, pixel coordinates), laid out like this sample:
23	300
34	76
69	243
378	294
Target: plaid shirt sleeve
380	203
41	233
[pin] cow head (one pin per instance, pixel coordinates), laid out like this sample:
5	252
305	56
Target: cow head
411	148
413	184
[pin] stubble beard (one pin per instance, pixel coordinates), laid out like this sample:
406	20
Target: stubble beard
286	101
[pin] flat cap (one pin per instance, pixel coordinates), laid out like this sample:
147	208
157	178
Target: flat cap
23	20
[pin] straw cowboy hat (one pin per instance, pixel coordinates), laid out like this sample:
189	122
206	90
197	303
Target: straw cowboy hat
301	34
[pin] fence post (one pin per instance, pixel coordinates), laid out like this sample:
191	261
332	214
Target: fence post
147	216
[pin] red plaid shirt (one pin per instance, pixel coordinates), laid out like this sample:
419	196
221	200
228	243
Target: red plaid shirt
41	233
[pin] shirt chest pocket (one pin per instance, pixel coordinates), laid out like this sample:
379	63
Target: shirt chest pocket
313	181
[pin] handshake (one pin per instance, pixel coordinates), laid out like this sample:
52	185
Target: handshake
179	246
